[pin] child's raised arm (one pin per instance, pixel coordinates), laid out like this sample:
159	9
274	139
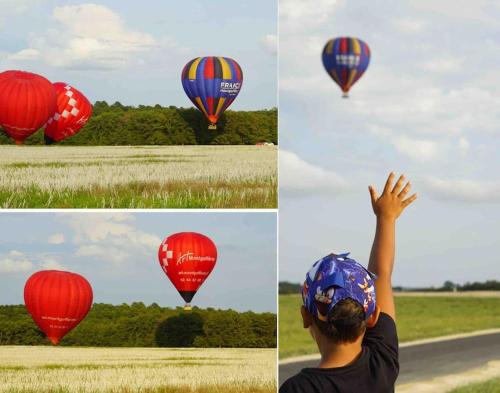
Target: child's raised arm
387	208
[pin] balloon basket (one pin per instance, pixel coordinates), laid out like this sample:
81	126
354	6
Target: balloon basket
212	127
187	307
345	95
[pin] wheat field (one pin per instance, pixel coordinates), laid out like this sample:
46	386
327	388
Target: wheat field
138	176
124	370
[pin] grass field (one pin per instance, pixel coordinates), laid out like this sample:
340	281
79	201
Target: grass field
491	386
126	370
138	176
417	317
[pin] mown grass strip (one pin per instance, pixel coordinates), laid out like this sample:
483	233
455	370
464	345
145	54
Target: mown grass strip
208	194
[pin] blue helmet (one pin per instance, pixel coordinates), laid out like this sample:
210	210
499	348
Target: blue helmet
334	278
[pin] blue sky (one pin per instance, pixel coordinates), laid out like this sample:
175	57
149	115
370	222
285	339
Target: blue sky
134	52
117	253
428	106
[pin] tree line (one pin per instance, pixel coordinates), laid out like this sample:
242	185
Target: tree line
119	124
288	288
138	325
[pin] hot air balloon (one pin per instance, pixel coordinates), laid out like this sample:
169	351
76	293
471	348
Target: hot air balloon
346	59
212	84
187	258
72	111
57	301
26	102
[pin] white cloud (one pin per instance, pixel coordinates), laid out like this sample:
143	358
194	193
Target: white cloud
463	145
89	36
9	8
409	25
56	238
111	237
417	149
18	262
15	262
270	42
443	64
464	190
303	15
300	177
52	265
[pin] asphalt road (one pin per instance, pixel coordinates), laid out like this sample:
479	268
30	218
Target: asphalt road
425	361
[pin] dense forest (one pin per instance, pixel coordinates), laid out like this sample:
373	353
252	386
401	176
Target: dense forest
137	325
287	288
117	124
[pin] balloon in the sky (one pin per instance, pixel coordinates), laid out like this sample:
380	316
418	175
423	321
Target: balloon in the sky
346	59
27	100
57	301
212	84
187	258
72	111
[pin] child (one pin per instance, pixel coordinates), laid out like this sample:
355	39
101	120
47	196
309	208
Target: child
355	333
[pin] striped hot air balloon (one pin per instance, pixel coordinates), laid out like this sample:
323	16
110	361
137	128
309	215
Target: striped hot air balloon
57	301
346	59
27	100
212	84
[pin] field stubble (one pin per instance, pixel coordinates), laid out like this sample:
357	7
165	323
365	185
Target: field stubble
148	370
138	176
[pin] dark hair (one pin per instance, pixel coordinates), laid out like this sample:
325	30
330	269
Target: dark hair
345	323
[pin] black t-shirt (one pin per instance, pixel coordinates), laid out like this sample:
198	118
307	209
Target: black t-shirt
375	371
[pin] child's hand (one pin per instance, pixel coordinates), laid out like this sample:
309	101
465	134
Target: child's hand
392	202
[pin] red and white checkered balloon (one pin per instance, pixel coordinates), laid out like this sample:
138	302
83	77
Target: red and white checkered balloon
73	110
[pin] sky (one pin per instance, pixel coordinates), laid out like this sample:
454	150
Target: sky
118	254
134	51
428	106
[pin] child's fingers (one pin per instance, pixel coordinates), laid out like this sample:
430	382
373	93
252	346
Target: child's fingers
388	183
404	191
409	200
398	185
373	193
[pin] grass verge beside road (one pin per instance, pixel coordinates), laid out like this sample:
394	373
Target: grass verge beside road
417	318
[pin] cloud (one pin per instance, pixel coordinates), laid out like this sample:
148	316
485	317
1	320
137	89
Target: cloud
300	177
52	265
89	36
18	262
304	14
110	237
409	25
270	42
443	64
463	190
15	262
9	8
463	145
417	149
56	238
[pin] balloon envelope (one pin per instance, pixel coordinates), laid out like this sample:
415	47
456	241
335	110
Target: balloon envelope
57	301
187	258
26	102
212	84
72	111
346	59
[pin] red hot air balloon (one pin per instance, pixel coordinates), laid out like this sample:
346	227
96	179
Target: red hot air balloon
57	301
26	102
72	111
187	258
